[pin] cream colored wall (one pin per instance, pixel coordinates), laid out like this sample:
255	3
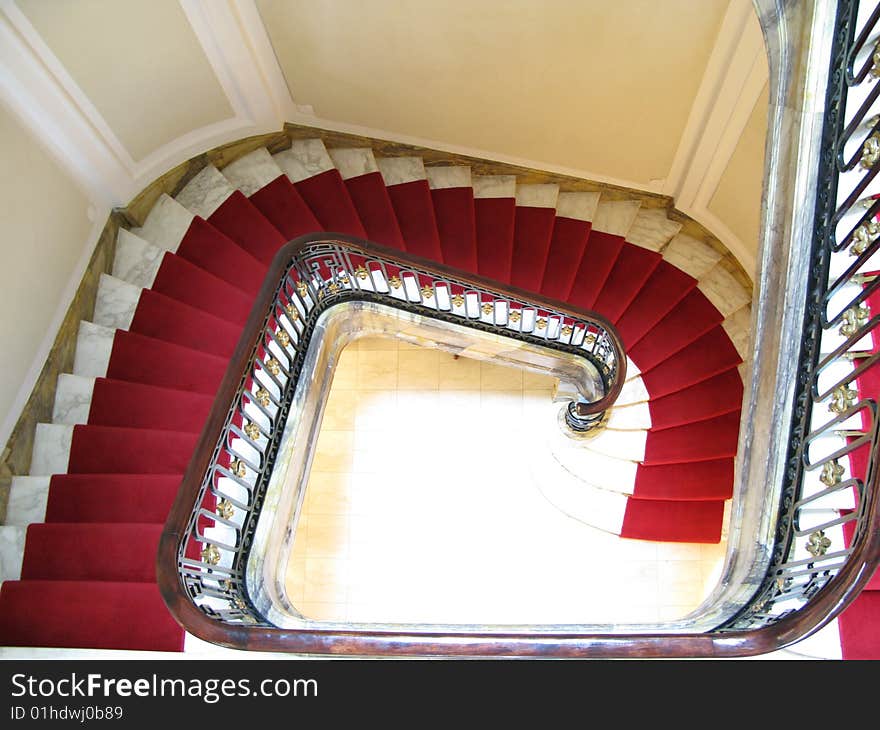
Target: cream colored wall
138	62
45	230
737	199
604	87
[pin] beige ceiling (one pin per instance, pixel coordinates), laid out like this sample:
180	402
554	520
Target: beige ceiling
604	87
138	62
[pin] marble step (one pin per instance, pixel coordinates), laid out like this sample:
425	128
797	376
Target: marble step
166	223
136	261
616	216
12	539
636	417
51	449
306	158
739	329
353	162
633	391
206	192
577	206
442	177
600	508
539	195
494	186
694	257
401	170
94	344
115	302
723	290
252	172
27	500
625	445
651	229
73	399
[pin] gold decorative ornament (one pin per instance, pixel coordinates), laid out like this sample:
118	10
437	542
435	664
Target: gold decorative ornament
566	330
818	544
238	467
273	366
875	60
458	300
224	509
292	312
842	398
282	337
427	292
252	430
361	272
863	237
832	473
853	319
514	316
870	152
302	288
263	398
488	308
590	338
333	287
210	554
541	323
394	282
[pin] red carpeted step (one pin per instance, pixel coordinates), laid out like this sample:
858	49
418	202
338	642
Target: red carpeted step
111	497
87	614
207	248
414	209
713	397
711	354
147	360
532	233
373	204
849	529
94	551
456	226
698	480
631	270
329	201
119	450
243	222
564	257
859	635
167	319
283	206
495	219
673	521
715	438
600	254
181	280
692	317
665	288
135	405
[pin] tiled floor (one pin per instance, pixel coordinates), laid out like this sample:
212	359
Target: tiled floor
420	508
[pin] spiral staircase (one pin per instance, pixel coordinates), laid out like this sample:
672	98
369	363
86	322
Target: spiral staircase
85	524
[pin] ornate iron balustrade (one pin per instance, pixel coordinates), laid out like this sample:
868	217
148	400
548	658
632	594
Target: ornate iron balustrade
834	434
309	277
830	432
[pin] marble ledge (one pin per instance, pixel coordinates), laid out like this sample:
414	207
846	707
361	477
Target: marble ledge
577	206
306	158
12	540
206	192
73	399
115	302
739	329
94	345
252	172
539	195
166	223
494	186
28	498
354	161
401	170
636	417
616	216
694	257
651	229
448	176
51	449
626	445
723	290
136	260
